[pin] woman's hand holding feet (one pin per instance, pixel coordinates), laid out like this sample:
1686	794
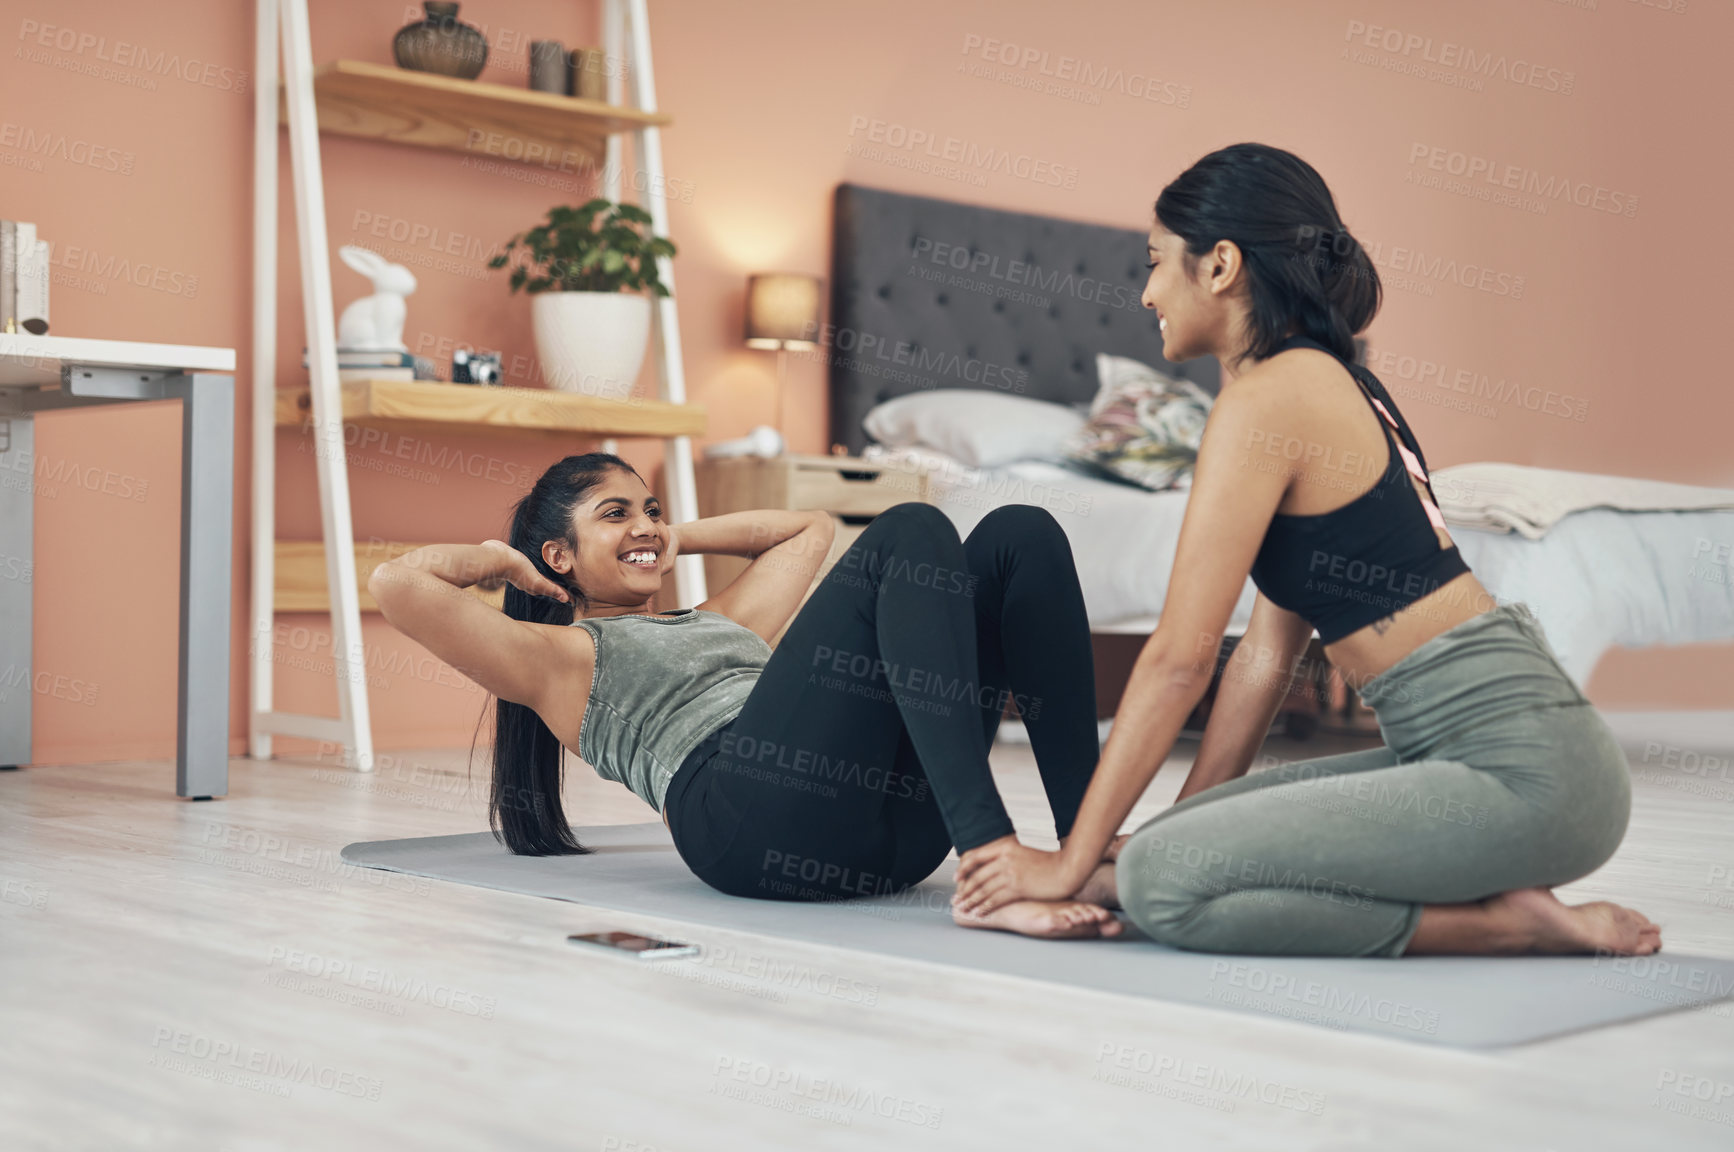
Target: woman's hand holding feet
1001	871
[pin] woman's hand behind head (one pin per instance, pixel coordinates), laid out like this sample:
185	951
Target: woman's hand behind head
516	568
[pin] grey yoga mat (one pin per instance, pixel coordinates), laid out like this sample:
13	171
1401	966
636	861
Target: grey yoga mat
1461	1001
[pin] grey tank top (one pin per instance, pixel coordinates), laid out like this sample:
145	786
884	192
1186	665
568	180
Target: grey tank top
662	684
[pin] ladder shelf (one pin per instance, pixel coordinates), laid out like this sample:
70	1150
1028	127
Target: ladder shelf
359	98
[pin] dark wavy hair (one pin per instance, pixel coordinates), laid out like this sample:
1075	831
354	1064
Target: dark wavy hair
524	804
1304	268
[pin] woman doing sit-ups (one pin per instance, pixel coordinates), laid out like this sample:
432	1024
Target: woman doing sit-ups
1498	778
846	762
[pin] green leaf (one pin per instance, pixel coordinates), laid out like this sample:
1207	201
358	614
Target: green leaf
598	246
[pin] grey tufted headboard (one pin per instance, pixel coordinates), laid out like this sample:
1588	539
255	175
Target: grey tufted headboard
932	293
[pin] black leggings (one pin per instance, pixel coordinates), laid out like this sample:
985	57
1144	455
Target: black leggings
860	758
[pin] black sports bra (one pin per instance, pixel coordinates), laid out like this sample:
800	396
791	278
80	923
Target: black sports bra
1343	569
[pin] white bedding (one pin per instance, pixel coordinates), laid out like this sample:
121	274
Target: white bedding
1600	578
1499	497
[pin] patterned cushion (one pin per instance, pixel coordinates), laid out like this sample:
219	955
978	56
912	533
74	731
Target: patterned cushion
1144	427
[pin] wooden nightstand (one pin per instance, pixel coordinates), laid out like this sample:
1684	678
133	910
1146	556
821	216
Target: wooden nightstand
853	491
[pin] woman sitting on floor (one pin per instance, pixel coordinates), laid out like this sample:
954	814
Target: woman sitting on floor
1499	779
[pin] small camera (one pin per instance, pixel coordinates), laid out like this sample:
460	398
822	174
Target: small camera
475	367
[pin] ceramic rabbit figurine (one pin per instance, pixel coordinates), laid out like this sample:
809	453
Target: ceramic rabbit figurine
375	322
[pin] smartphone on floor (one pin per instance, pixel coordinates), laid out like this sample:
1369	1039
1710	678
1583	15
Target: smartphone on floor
644	947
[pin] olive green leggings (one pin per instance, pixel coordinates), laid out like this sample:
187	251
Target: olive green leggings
1497	773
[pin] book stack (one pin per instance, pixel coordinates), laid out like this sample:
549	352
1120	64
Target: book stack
23	279
361	364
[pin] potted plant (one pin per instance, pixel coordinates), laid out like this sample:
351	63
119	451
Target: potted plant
586	269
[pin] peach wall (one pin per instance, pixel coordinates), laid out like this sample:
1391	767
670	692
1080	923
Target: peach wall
150	217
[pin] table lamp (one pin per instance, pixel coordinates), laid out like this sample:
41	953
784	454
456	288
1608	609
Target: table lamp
782	313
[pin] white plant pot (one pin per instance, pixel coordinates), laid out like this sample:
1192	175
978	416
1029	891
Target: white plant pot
591	343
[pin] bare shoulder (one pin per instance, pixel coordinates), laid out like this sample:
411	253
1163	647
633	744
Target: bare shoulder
1264	404
1305	392
1286	381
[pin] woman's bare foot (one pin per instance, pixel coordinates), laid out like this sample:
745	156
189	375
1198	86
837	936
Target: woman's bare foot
1533	920
1551	926
1100	888
1048	919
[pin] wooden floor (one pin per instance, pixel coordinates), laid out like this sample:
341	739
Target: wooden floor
210	976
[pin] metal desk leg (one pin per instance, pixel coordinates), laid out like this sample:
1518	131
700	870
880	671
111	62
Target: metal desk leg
207	506
17	578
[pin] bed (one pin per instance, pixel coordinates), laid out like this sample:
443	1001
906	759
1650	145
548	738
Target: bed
936	294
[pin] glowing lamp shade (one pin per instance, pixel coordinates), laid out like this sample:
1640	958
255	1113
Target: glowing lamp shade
782	311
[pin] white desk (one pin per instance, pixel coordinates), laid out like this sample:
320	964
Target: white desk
42	373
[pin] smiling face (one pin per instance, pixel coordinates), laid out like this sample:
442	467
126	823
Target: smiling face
621	537
1200	300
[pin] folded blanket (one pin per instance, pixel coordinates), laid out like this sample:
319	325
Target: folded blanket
1497	497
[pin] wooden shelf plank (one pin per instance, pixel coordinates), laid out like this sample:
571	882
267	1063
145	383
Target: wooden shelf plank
384	102
299	585
540	412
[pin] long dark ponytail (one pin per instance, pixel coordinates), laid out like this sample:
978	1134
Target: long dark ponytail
1305	270
524	805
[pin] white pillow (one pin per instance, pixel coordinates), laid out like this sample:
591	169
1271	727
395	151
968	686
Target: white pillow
982	429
